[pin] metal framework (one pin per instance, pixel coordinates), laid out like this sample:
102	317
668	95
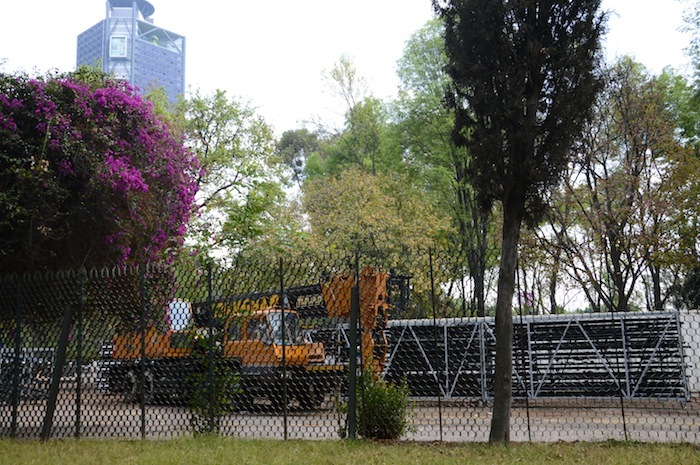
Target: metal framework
127	45
633	356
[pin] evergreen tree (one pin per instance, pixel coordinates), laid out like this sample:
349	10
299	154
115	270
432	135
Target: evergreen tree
523	81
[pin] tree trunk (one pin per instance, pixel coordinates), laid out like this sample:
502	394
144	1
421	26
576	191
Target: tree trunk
477	271
502	392
656	280
479	293
482	228
553	281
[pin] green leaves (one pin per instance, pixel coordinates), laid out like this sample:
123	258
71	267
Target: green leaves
240	176
383	409
384	212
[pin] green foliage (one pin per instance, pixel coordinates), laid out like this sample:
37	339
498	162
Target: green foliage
383	409
365	140
346	82
424	128
213	387
282	234
359	145
683	101
385	212
240	172
294	148
387	217
523	82
687	294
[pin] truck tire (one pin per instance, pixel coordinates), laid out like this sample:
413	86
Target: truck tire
311	396
275	396
132	386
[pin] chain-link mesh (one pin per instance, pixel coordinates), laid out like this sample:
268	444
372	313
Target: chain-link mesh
266	349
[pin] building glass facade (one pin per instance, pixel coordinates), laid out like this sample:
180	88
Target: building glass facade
127	45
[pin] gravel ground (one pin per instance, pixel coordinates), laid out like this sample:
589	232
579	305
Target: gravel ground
104	415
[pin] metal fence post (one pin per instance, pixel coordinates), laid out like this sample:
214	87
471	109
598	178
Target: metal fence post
620	390
484	376
523	348
79	355
352	355
17	363
284	352
435	335
211	394
142	327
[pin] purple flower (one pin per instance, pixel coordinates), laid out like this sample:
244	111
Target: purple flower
105	151
65	167
7	123
123	176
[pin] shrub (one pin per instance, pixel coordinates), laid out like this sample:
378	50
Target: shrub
213	388
383	408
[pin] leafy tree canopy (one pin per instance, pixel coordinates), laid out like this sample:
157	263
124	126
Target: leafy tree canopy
294	148
523	80
384	212
240	176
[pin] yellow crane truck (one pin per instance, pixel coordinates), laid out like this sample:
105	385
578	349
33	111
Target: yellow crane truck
262	339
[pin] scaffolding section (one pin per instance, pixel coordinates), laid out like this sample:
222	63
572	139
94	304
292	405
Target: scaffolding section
632	356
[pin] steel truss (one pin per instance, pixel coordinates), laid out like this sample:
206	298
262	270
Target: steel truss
633	356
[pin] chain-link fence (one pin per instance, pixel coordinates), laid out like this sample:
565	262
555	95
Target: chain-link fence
267	350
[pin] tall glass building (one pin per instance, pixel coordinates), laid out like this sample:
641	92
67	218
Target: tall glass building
129	46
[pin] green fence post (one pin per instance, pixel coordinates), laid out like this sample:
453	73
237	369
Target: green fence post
17	362
352	354
284	351
142	374
433	302
79	356
210	354
524	349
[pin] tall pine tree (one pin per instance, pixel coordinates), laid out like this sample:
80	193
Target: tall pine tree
523	80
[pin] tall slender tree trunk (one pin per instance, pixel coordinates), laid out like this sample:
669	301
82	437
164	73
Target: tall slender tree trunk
554	282
477	271
656	280
513	208
482	228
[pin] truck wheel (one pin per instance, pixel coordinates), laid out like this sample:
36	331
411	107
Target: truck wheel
132	387
148	387
311	397
276	399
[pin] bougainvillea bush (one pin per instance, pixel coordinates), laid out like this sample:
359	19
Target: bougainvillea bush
89	175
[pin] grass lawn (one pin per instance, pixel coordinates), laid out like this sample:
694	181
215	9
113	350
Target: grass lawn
214	450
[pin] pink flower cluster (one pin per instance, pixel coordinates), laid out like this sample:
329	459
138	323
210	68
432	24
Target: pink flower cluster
122	175
102	143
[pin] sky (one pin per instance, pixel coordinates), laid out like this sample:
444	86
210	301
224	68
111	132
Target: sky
273	54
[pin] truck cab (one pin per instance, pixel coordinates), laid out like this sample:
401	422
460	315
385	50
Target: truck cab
270	337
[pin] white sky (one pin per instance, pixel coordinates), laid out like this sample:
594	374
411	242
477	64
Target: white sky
273	53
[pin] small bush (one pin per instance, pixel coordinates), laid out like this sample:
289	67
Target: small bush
213	389
383	408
